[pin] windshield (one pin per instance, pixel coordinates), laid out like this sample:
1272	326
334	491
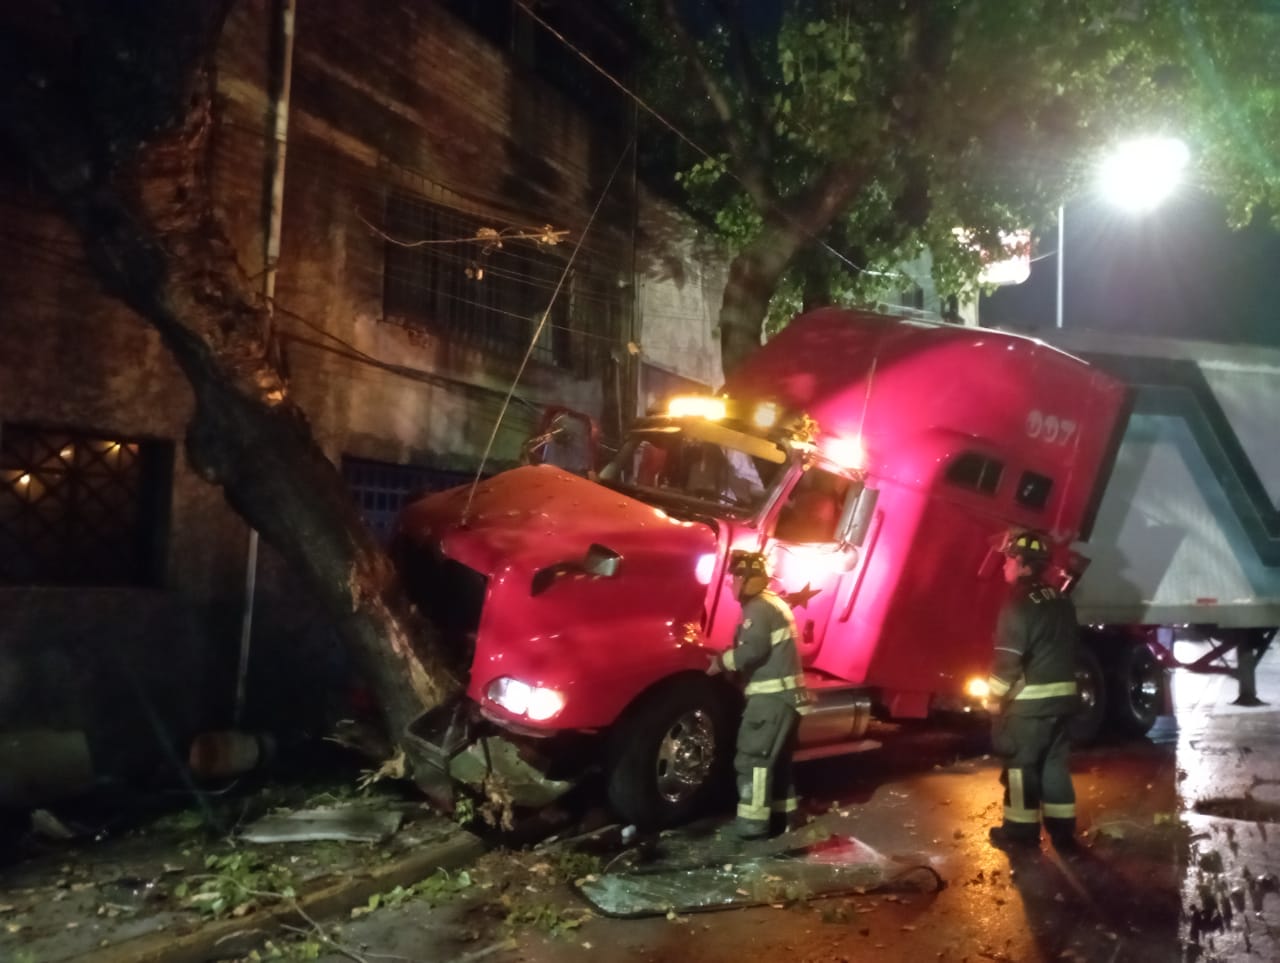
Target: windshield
671	463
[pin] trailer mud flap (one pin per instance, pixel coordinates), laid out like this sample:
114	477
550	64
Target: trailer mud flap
454	746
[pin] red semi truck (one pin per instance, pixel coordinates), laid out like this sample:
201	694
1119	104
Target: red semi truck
878	462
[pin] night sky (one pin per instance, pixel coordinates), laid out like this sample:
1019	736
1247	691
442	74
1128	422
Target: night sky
1178	271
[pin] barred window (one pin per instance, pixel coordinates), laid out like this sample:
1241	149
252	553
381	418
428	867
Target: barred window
441	277
380	489
79	509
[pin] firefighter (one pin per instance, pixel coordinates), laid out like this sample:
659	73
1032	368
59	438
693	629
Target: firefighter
765	653
1033	697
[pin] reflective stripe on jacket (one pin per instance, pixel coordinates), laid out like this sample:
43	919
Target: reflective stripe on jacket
765	652
1034	669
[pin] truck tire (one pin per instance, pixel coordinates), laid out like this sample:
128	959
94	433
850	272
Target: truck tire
669	754
1087	725
1135	690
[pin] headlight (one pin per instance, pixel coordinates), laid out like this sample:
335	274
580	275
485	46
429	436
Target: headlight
705	568
977	688
847	452
765	416
534	702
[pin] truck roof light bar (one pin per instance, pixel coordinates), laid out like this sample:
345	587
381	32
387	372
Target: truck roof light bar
697	406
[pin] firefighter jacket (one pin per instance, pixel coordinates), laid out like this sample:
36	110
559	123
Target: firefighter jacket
765	652
1034	670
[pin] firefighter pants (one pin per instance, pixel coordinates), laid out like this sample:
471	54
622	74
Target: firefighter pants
1036	776
766	742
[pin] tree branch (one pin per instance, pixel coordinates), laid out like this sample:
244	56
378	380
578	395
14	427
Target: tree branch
748	169
812	210
750	79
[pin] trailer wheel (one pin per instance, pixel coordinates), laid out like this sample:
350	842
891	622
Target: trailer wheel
1135	690
1087	724
669	753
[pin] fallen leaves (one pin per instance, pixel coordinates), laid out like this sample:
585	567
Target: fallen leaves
439	887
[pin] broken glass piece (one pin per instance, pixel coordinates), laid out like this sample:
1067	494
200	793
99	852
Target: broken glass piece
361	824
835	866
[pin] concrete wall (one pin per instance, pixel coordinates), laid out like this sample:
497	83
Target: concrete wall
680	276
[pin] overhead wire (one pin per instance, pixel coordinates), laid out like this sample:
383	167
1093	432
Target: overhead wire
477	207
466	511
647	108
459	91
350	351
1049	161
513	264
463	204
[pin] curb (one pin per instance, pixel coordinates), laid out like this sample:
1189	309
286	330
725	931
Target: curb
222	939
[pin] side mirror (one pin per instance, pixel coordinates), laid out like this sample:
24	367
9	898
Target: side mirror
602	562
855	520
565	438
599	561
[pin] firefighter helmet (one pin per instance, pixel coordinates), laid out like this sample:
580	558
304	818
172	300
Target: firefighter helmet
1029	547
748	564
752	569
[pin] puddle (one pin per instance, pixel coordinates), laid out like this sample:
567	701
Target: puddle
1250	810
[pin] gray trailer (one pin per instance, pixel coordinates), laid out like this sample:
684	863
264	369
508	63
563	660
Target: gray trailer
1185	542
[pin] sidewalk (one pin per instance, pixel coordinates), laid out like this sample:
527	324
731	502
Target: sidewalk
137	897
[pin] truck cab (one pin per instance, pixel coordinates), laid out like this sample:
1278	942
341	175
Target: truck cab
877	462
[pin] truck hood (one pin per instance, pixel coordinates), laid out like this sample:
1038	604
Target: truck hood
599	640
535	516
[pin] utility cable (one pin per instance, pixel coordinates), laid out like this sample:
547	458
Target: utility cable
523	5
466	511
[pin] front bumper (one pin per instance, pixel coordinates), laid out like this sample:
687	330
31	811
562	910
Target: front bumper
458	745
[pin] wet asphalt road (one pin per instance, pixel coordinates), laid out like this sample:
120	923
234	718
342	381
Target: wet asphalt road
1180	831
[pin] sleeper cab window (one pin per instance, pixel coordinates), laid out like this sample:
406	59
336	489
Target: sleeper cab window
976	472
1033	489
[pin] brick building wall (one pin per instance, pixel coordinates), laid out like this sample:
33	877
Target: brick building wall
404	121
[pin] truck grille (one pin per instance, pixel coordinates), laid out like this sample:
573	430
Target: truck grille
447	592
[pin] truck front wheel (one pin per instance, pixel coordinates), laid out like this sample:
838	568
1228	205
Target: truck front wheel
669	753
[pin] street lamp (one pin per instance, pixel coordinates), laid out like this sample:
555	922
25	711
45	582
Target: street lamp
1137	176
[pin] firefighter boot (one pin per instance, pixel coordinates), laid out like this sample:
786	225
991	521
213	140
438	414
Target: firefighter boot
1014	839
784	811
745	828
1063	833
786	822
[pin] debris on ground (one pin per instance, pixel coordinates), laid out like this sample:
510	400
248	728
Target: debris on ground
353	823
46	824
716	880
62	898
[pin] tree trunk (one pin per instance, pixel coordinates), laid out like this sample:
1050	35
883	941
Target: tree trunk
139	195
754	274
753	277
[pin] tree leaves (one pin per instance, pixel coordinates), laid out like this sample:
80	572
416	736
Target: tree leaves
1000	108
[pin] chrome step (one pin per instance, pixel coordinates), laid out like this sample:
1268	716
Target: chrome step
835	749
